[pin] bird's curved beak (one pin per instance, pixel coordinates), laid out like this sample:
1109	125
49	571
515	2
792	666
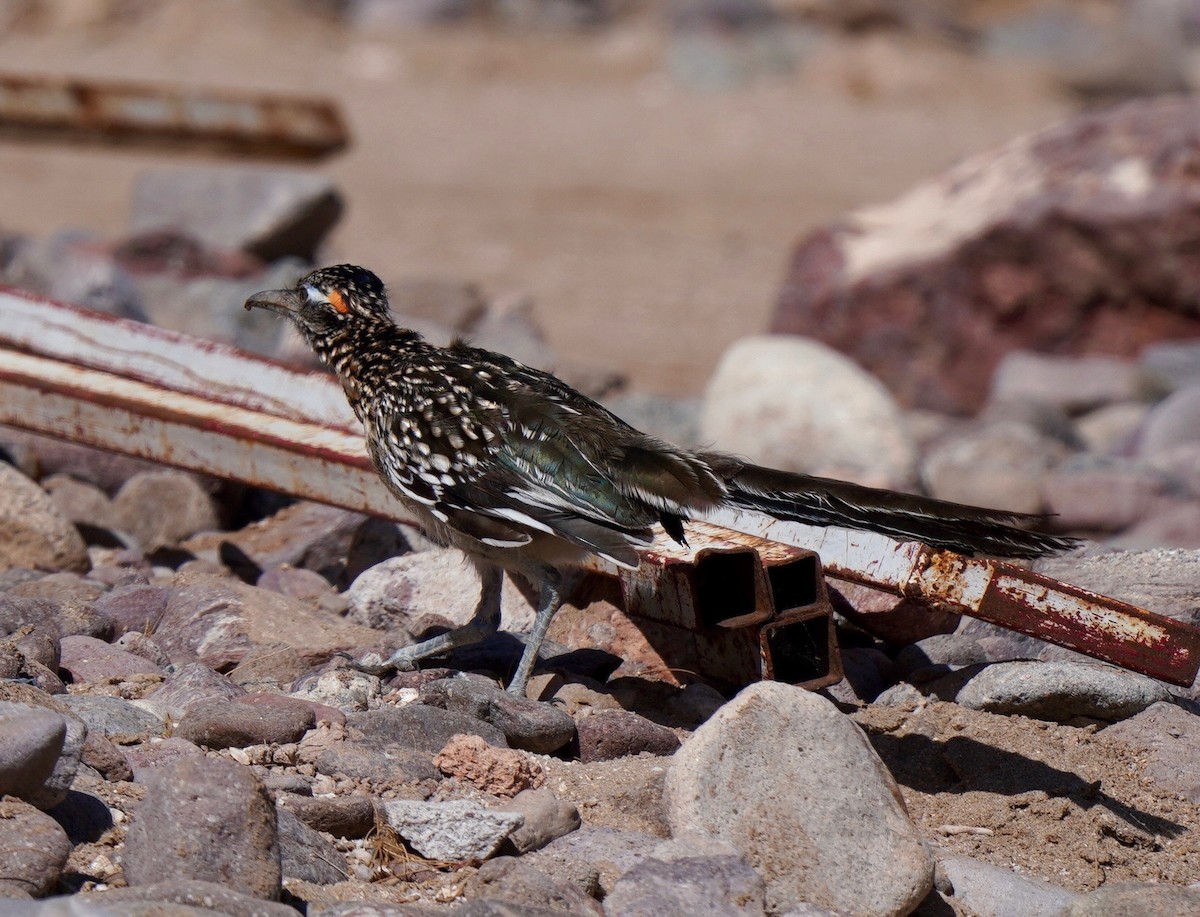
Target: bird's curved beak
283	301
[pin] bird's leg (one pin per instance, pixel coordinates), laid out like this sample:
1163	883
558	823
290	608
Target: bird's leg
484	623
549	600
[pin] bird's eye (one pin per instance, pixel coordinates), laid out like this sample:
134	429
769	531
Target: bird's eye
338	301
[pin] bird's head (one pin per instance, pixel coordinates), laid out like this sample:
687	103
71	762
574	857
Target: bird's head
328	300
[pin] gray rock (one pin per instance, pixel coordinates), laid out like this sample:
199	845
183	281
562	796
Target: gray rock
87	659
1173	422
295	583
547	818
795	404
1000	465
350	816
381	765
190	685
35	847
1060	691
608	734
593	858
73	598
867	672
516	882
72	266
344	689
1074	384
220	621
191	896
1135	899
208	819
421	726
436	588
114	717
993	891
1169	738
335	543
796	787
304	854
79	501
54	788
1168	366
1111	430
1162	581
181	507
31	625
31	740
246	720
453	831
1107	495
264	211
939	653
33	533
526	724
723	886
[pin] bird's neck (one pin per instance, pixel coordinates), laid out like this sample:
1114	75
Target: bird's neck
365	352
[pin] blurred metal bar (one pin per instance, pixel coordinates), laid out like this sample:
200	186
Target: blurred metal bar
94	111
148	392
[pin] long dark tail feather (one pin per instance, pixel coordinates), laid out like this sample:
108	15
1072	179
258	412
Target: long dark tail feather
938	523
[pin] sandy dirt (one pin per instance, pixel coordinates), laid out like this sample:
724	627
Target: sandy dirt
649	220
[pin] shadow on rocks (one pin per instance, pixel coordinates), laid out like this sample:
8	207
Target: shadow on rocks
961	765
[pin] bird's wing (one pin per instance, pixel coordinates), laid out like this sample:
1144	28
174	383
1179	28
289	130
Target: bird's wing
528	454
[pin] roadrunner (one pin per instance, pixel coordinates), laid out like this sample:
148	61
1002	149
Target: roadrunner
523	473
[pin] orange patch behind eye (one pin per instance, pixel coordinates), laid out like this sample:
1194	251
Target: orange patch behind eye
338	301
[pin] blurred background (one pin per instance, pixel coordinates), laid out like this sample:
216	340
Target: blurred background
990	206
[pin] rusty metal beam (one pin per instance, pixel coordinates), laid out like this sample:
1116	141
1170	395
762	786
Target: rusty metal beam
94	111
101	381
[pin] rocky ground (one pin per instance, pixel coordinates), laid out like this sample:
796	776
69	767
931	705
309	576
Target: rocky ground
178	733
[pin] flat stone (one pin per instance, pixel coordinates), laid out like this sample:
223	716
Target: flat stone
526	724
104	757
382	765
87	659
797	788
236	723
421	726
1060	691
1075	384
204	818
993	891
342	689
31	624
451	831
35	847
608	734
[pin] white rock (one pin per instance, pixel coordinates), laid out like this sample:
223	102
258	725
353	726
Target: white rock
454	830
795	404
